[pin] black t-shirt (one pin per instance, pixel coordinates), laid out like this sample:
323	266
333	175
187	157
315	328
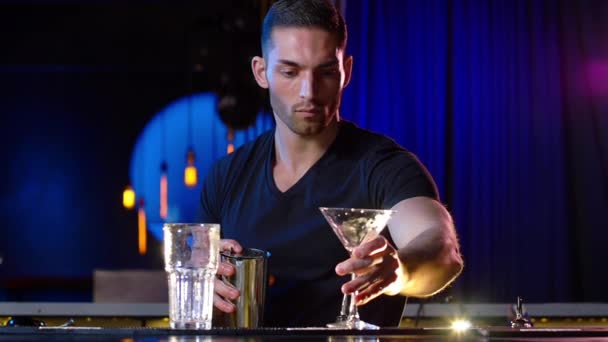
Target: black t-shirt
360	169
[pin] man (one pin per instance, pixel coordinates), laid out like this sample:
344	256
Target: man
267	193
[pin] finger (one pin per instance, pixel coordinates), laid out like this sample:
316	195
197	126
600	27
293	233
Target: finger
373	290
225	269
354	265
358	283
226	290
223	305
376	283
385	269
374	246
230	245
381	278
358	265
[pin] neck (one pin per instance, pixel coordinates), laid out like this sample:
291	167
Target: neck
298	152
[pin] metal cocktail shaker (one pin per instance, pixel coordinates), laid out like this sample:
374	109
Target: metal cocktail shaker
250	279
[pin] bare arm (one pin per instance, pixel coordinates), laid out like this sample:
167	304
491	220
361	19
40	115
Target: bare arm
427	246
424	260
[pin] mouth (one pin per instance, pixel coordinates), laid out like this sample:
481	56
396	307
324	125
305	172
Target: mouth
309	111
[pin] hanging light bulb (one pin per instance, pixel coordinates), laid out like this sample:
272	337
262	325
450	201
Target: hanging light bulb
128	197
190	173
141	228
230	138
163	190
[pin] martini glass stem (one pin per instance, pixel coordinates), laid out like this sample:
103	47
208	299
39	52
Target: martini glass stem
353	313
349	311
344	309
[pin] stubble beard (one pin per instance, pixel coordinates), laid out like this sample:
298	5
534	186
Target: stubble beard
305	127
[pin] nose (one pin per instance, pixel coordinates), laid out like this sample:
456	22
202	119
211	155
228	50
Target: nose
306	87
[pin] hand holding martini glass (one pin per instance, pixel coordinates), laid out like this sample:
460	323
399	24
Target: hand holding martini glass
353	227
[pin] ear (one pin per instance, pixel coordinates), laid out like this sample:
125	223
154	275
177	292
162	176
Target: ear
348	68
258	67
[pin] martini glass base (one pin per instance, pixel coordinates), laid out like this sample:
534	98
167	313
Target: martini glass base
352	324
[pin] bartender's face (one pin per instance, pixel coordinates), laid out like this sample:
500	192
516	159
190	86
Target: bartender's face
305	72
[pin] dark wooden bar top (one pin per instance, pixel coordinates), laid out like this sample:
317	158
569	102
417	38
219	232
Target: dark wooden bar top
298	334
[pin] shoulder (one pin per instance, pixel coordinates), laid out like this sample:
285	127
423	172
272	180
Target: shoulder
366	142
391	172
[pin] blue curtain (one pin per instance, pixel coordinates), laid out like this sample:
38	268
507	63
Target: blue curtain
505	103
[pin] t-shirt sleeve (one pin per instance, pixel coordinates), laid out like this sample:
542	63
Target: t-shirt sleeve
396	174
211	196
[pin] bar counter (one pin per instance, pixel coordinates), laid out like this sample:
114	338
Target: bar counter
128	322
298	334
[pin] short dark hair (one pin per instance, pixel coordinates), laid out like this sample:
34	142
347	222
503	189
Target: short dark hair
304	13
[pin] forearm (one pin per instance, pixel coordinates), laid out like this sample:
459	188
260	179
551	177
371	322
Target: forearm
429	262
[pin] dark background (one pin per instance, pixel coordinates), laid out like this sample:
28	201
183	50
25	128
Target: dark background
78	83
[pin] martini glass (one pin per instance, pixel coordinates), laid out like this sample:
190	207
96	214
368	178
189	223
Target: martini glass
353	227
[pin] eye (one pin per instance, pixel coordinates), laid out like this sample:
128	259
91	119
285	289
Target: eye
330	72
289	73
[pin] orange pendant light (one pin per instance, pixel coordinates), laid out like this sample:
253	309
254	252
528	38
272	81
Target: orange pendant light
164	189
128	198
190	173
230	138
142	229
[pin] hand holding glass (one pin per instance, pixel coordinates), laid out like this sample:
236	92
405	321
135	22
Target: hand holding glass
353	227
